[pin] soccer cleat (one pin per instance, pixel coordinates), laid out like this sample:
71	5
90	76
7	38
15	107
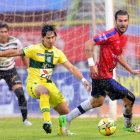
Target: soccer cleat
60	131
26	122
133	128
71	134
64	125
47	127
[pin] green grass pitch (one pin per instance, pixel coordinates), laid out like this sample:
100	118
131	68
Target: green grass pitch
86	129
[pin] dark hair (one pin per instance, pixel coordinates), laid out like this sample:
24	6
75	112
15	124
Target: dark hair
121	12
48	27
4	26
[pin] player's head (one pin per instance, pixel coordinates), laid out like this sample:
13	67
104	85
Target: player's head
121	21
4	33
48	35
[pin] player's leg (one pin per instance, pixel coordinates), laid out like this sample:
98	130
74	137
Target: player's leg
14	83
127	112
63	109
98	95
96	101
84	107
18	90
117	91
58	102
41	92
128	102
65	120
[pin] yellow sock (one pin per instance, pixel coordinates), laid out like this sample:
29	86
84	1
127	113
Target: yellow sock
45	107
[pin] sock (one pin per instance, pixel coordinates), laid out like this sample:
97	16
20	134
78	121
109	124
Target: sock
45	107
127	113
81	109
22	102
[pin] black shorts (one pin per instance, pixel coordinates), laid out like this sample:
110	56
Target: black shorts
11	77
110	87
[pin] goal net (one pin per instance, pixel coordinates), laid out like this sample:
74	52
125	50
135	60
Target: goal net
76	22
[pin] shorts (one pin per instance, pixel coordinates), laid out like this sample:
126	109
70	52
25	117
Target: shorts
110	87
56	97
11	77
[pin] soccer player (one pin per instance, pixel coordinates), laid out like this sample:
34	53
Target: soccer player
111	46
43	58
8	71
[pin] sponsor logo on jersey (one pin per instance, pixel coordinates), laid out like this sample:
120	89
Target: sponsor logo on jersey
110	70
49	59
40	54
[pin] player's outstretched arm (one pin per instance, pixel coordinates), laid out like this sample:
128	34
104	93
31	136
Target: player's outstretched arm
126	66
89	45
73	70
11	53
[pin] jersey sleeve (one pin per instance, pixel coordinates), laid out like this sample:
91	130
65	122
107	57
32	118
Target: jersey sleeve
19	46
28	51
62	58
100	39
104	38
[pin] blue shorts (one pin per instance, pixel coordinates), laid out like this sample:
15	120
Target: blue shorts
110	87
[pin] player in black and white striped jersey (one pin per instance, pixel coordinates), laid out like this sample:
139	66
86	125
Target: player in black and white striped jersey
8	71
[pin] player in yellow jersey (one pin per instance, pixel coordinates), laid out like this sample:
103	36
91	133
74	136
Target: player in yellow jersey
43	58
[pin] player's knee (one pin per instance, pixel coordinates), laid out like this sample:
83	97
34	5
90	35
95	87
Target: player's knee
41	90
45	91
131	98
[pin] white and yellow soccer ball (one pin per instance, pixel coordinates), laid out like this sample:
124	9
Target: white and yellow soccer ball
107	126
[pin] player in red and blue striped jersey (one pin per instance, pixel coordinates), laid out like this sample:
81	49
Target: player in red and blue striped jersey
111	43
111	46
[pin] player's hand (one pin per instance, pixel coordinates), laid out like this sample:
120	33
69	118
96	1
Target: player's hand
93	71
87	86
135	72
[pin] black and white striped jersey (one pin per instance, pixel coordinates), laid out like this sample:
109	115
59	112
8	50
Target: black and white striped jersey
7	63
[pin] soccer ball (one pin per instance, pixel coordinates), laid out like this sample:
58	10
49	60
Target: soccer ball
107	126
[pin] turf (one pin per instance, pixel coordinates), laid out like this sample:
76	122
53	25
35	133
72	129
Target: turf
86	129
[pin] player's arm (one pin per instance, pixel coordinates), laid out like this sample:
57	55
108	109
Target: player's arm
73	70
11	53
89	45
126	66
25	60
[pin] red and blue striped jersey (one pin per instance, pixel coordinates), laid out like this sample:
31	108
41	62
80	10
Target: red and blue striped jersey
111	46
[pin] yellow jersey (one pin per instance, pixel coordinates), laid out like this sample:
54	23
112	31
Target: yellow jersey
42	62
